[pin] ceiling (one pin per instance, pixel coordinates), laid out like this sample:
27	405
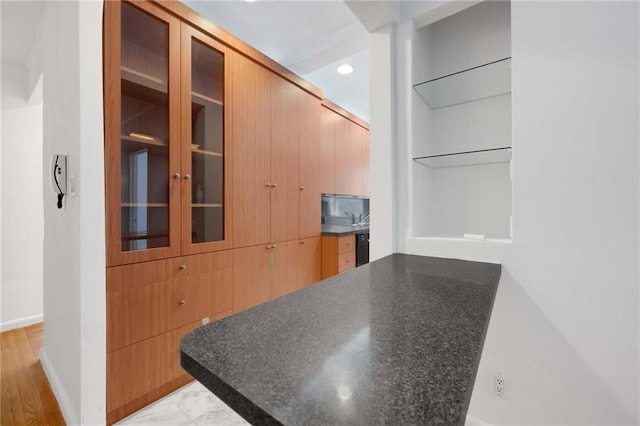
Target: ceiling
311	38
18	38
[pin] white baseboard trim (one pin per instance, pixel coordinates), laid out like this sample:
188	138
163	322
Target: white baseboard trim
20	322
472	421
58	390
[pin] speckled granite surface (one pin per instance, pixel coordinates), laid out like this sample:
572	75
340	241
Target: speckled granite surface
338	230
396	341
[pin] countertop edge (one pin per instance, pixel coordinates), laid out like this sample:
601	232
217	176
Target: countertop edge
226	393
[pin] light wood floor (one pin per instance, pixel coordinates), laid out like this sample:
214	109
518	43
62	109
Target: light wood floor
27	398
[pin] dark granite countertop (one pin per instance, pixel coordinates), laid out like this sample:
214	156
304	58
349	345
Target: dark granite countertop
339	230
396	341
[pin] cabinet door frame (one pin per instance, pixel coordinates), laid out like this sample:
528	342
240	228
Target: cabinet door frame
187	34
112	148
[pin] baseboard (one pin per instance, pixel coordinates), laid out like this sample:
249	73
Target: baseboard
20	322
472	421
58	390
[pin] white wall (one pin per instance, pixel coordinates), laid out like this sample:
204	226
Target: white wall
74	354
381	132
565	326
22	214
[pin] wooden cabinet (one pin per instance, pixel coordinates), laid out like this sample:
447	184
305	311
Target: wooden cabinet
366	159
142	141
141	373
311	170
166	156
250	96
251	276
215	161
276	190
285	159
265	272
338	254
327	151
356	159
147	304
344	155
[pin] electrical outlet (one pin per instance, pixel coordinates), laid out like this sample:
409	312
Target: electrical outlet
498	385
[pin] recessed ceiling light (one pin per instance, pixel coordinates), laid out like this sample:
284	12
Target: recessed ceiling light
345	69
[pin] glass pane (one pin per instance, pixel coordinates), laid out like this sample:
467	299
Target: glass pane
207	144
144	131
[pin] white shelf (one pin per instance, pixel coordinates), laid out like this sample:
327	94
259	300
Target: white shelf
469	158
480	82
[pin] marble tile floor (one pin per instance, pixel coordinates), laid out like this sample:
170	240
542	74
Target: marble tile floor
191	405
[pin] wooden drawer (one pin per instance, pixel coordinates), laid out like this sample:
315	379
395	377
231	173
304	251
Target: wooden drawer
147	299
347	244
143	372
208	277
142	301
346	261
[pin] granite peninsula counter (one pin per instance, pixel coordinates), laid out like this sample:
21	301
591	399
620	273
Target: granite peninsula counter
396	341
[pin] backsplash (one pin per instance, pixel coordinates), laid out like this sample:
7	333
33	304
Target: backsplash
344	209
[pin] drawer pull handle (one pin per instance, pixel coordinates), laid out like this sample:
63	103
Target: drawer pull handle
182	302
183	267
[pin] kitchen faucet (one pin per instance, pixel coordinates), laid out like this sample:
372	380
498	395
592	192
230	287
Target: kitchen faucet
363	217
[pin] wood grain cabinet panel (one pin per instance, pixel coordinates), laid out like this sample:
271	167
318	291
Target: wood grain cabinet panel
342	155
251	272
207	285
356	159
366	159
310	166
311	264
338	254
140	373
346	261
327	151
346	243
285	271
285	159
142	301
249	134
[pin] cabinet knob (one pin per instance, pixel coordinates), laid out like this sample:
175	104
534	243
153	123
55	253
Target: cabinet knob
176	175
187	177
269	247
301	242
273	185
182	302
268	184
183	267
348	243
273	246
302	188
348	261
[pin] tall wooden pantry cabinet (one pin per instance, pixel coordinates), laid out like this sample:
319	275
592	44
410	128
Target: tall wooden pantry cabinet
168	203
214	171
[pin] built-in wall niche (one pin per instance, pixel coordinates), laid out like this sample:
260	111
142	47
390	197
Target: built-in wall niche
462	146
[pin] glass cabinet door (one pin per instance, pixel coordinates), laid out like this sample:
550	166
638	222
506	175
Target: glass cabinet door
203	155
140	135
